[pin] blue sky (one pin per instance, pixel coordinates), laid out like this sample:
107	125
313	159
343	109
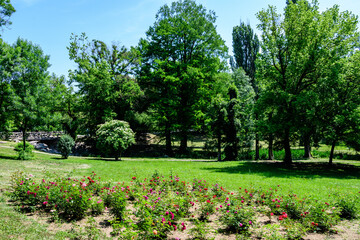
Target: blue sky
49	23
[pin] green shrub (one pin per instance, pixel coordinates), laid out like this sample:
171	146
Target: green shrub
237	219
114	137
65	145
24	154
348	206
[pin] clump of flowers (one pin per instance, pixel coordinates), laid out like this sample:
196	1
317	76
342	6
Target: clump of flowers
153	208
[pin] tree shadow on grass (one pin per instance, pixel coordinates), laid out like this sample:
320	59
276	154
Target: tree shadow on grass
104	159
9	157
297	170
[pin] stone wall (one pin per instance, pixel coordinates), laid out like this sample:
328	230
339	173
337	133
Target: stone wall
32	136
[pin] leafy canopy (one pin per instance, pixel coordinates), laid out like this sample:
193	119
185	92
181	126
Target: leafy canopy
181	55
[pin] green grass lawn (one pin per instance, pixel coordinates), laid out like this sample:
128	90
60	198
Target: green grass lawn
305	178
308	177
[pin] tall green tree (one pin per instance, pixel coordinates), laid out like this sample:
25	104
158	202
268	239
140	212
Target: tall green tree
64	107
30	85
8	59
296	49
6	10
181	55
215	122
104	79
341	103
246	46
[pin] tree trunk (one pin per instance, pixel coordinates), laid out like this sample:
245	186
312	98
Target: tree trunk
24	136
271	154
219	146
169	151
24	139
257	147
332	152
183	141
288	158
307	147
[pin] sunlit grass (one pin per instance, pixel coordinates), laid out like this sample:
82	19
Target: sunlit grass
312	178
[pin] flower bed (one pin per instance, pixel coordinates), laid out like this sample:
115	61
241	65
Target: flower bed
162	207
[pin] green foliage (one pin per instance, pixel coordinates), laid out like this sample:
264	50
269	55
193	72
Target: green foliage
320	217
181	56
239	119
65	145
246	46
200	231
237	219
7	56
341	100
299	55
114	137
24	153
30	85
158	206
349	206
104	78
6	10
66	197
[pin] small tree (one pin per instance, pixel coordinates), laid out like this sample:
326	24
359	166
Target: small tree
65	145
24	153
114	137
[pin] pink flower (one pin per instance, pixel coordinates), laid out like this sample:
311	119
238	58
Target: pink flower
45	202
250	222
183	226
99	201
240	224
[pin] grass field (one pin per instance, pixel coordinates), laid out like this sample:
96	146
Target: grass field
311	178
